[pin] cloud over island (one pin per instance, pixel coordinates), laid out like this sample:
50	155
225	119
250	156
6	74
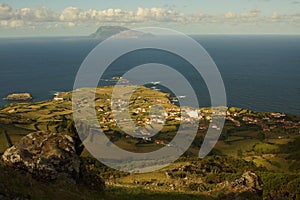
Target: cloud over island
70	17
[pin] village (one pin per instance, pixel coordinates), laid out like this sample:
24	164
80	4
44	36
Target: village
146	120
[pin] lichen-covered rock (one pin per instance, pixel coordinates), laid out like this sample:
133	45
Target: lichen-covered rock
45	156
249	186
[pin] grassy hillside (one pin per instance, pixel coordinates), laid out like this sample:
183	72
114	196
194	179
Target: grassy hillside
267	143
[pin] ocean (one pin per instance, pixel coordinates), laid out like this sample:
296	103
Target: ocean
260	72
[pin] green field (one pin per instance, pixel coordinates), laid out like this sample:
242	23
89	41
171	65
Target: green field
3	143
245	147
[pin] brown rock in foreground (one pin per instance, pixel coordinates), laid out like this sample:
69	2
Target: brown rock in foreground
51	156
18	97
44	155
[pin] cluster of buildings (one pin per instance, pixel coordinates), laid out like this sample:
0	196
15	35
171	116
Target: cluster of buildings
145	118
267	122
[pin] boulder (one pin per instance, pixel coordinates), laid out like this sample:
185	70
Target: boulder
51	156
45	155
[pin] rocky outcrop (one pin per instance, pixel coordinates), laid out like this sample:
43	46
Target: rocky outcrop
51	156
44	155
18	97
249	186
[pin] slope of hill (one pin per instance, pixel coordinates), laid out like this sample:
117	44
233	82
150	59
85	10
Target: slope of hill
264	143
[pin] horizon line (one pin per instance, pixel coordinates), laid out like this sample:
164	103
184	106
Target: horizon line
191	34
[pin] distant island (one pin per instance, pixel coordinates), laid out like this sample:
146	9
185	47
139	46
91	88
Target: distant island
104	32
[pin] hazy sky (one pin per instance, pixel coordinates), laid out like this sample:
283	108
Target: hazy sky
66	17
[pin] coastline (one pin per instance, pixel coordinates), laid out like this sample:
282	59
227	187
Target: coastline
53	94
